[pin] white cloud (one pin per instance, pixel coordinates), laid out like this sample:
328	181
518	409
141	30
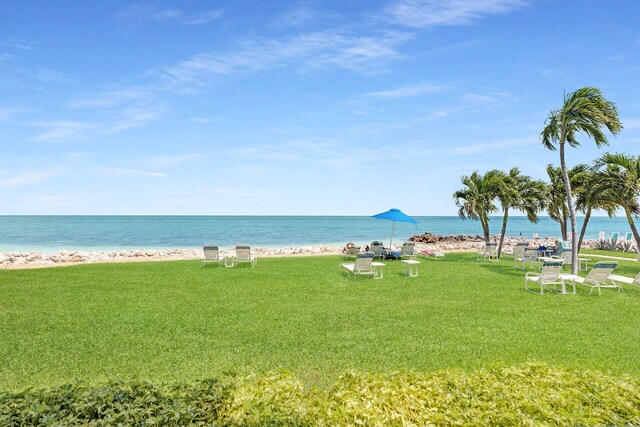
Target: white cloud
306	51
630	123
111	98
62	130
152	13
484	147
172	160
410	90
130	118
203	18
425	13
17	43
29	177
113	171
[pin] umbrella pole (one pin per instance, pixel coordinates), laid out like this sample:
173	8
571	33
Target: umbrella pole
391	241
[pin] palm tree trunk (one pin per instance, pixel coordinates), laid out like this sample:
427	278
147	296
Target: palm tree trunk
584	228
634	230
572	213
563	228
504	229
485	228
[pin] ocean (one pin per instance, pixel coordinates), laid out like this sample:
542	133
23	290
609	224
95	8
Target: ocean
49	234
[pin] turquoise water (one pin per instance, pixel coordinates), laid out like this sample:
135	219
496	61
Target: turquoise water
53	233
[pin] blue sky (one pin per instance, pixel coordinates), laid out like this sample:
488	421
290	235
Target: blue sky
294	107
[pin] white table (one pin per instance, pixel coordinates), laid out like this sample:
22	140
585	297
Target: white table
411	263
230	260
377	270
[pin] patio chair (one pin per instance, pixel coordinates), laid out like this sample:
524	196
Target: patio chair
243	254
376	249
517	250
599	277
211	255
362	266
351	252
529	255
549	275
408	251
626	280
567	257
489	252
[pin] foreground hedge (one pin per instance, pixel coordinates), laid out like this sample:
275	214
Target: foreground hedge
530	394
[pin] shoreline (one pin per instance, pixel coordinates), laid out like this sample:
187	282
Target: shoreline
29	260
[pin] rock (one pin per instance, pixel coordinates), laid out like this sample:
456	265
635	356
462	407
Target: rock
33	257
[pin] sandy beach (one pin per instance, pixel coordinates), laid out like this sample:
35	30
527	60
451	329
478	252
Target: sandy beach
26	260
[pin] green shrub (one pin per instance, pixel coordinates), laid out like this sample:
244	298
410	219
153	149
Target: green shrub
523	395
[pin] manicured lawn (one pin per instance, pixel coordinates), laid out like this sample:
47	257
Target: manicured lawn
618	254
174	321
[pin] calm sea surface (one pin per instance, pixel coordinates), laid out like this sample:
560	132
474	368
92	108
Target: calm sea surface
53	233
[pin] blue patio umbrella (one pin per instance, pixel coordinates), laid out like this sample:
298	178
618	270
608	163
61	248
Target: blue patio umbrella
395	215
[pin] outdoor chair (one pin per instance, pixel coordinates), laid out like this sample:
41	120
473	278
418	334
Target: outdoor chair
490	252
408	251
376	249
362	266
599	277
626	280
566	258
243	254
549	275
517	250
528	256
211	255
351	252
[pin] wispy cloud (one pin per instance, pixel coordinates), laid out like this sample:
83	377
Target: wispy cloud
172	160
131	117
418	89
484	147
426	13
68	130
629	123
153	13
454	47
203	18
111	98
8	113
62	130
306	51
21	44
28	177
114	172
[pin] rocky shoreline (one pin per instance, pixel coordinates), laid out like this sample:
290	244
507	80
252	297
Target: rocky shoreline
425	242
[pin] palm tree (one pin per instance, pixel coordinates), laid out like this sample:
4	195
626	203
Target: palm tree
590	195
519	192
475	200
556	194
620	178
583	111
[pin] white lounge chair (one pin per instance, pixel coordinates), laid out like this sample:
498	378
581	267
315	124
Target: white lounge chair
528	256
408	251
243	254
549	275
352	251
517	250
376	249
211	255
567	257
489	252
599	277
362	266
626	280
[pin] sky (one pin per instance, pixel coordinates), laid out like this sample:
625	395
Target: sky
294	107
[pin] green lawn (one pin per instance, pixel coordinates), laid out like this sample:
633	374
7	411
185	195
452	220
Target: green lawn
174	321
618	254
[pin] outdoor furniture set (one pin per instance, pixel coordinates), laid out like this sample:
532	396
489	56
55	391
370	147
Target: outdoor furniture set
241	255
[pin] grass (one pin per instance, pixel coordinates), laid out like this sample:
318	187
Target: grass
174	321
618	254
